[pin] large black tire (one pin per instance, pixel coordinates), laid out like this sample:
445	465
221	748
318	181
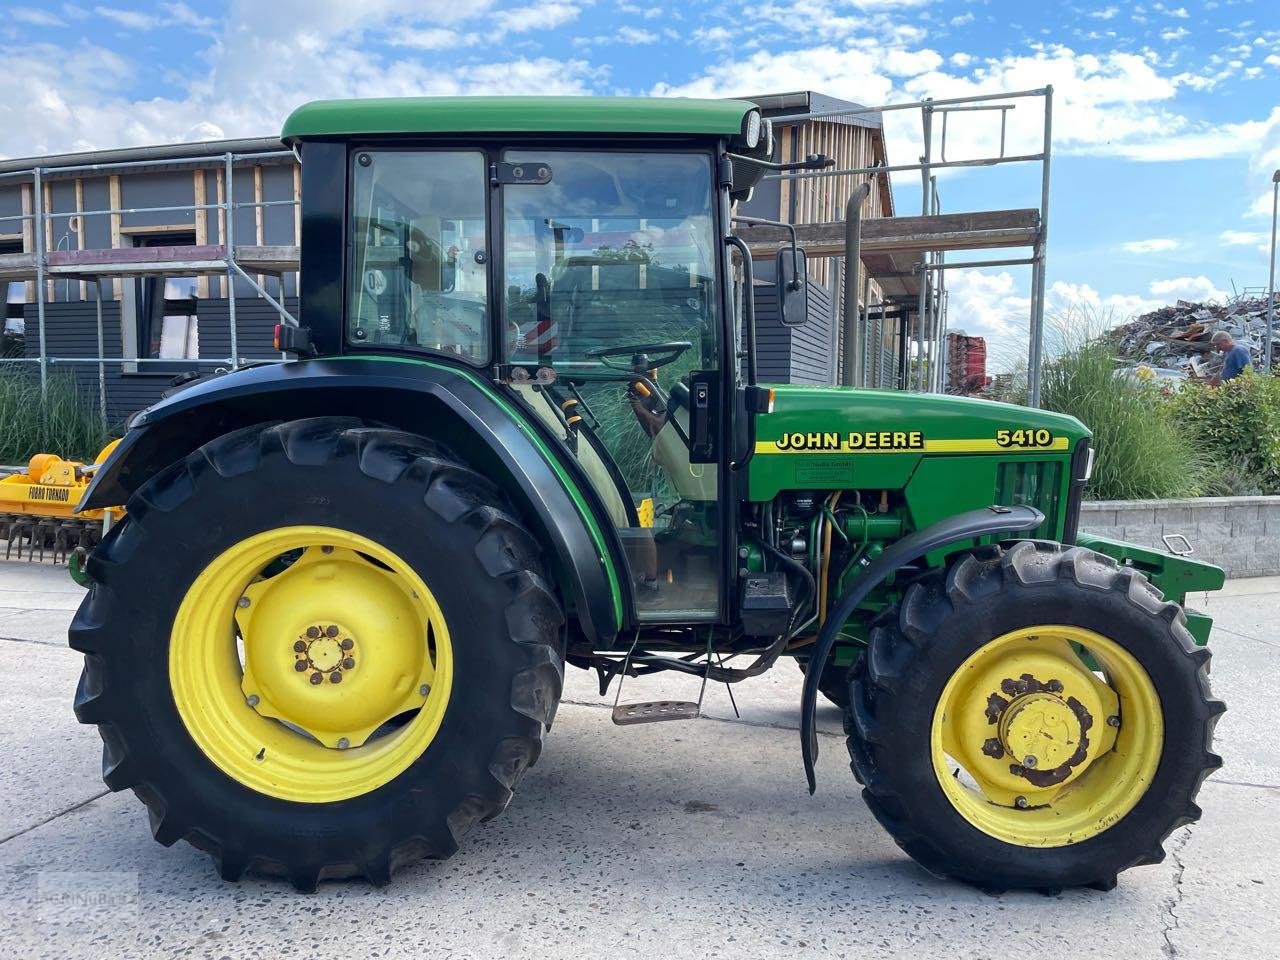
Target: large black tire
454	527
942	619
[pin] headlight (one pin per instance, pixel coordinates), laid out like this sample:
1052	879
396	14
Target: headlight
753	126
1088	465
768	138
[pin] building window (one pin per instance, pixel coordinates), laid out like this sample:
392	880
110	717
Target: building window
165	326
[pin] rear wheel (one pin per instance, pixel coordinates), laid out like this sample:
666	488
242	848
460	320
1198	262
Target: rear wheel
318	650
1033	718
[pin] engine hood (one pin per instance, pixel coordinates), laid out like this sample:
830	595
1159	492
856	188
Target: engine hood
834	437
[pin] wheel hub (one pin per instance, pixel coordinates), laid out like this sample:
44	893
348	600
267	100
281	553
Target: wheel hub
303	662
324	652
1041	731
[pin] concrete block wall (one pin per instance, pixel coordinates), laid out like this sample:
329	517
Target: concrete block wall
1239	534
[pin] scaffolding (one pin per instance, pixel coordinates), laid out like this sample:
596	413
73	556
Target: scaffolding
905	255
243	262
915	248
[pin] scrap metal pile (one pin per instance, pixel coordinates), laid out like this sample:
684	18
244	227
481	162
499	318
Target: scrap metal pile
1179	337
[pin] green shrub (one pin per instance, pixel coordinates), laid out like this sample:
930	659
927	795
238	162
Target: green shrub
1238	426
1141	453
65	421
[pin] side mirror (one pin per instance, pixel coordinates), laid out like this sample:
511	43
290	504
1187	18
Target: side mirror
793	287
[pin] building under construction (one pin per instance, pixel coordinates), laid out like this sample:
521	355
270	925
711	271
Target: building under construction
130	268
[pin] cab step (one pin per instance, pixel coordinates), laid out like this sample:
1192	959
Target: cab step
654	711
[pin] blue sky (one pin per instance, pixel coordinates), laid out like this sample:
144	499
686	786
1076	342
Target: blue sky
1167	117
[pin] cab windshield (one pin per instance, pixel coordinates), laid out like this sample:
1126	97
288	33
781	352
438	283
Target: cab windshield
617	248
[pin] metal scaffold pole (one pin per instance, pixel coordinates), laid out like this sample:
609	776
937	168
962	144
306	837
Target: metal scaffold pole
1036	347
102	365
229	240
926	121
37	199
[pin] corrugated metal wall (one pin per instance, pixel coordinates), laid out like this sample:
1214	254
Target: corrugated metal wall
71	330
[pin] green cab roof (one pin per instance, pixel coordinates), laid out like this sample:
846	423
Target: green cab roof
467	115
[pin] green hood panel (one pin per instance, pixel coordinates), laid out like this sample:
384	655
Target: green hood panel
839	438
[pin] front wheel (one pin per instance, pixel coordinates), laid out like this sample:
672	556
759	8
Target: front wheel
1036	717
318	650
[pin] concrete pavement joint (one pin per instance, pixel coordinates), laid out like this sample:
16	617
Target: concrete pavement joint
43	643
1245	636
1169	916
61	813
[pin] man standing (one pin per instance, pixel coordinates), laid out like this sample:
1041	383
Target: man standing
1236	361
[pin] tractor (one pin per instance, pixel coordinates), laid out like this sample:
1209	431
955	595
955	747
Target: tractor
518	428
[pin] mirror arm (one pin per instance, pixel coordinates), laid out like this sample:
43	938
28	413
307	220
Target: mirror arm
748	305
814	161
795	250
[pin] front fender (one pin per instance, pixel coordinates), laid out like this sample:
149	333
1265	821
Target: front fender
963	526
432	399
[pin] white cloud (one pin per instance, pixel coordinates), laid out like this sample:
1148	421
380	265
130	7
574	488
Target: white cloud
713	36
1272	60
129	19
1154	245
36	17
1175	34
1105	14
634	36
1194	289
961	20
431	38
80	96
994	306
1243	238
543	16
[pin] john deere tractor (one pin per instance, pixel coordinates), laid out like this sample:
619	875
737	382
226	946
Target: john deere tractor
520	429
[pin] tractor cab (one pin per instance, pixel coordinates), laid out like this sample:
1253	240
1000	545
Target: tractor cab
591	279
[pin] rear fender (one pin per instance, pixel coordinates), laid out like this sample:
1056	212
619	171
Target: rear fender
434	400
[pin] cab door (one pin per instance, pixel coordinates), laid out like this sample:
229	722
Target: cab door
609	268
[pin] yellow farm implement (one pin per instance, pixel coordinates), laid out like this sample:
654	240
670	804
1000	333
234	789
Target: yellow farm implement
37	508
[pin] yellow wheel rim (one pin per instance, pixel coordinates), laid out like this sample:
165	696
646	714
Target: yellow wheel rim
1035	747
310	664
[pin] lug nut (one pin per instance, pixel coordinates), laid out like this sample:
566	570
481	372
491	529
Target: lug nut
343	742
1113	721
348	663
243	602
300	666
300	647
1029	762
252	700
331	631
313	632
1055	686
326	549
335	677
424	689
1020	802
348	643
317	678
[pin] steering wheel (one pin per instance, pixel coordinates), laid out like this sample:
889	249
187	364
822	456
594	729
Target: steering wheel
640	355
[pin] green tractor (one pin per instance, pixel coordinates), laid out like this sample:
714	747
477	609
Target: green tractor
520	429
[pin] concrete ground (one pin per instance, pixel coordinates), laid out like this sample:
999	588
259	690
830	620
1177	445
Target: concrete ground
693	839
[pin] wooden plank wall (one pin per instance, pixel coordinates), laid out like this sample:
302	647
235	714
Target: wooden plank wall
823	199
